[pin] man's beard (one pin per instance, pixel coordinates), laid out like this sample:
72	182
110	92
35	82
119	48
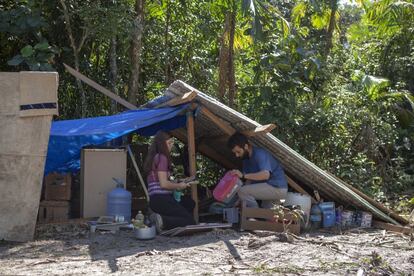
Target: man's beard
245	155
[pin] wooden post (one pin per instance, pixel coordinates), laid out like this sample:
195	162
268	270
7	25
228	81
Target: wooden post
192	159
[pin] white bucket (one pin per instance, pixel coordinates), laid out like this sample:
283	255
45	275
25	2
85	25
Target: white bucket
304	201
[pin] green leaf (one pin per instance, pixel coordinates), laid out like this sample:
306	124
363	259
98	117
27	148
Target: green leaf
298	12
42	46
16	60
33	21
412	200
27	51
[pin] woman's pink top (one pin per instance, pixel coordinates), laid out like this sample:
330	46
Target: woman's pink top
159	164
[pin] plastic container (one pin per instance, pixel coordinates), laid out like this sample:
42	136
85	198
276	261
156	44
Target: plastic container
304	201
316	217
366	219
227	188
119	203
139	220
328	214
347	217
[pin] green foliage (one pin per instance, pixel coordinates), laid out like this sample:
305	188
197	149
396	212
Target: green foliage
22	25
349	110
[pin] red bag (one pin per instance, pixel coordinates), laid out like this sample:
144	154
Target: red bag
227	188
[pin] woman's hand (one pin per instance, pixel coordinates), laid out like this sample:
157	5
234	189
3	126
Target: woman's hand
182	185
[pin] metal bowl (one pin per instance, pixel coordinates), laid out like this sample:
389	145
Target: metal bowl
145	233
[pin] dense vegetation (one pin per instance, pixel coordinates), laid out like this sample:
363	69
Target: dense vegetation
338	80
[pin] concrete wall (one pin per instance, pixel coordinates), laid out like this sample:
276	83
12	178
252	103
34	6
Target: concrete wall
24	137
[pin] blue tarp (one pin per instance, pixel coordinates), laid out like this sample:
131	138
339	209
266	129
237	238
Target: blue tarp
67	138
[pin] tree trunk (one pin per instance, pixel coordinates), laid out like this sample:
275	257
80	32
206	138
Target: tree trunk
167	69
231	74
224	59
331	27
76	50
227	79
134	95
113	74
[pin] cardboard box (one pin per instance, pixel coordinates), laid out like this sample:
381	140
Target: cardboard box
269	223
53	211
58	187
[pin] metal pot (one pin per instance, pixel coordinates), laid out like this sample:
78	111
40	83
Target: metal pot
145	233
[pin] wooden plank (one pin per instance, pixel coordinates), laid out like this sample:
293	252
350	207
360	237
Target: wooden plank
259	130
192	159
299	189
223	125
141	179
100	88
264	214
392	227
186	98
269	225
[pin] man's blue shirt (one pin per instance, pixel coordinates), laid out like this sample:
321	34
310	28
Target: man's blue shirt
262	160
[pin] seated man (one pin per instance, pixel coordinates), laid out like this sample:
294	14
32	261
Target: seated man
262	174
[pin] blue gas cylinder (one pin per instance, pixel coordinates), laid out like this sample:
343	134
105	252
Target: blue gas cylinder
119	203
315	217
328	214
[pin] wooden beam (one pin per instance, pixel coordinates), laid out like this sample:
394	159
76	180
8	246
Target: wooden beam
259	130
392	227
299	189
192	159
98	87
186	98
206	150
223	125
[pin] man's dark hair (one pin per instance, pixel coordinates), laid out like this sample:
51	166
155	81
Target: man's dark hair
237	139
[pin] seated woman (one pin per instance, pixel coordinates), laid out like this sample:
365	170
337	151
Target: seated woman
168	212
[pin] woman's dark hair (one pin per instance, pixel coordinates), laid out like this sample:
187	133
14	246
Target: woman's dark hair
158	146
237	139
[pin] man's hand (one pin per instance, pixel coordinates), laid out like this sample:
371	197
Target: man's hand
237	172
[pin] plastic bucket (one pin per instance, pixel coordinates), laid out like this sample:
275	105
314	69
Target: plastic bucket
304	201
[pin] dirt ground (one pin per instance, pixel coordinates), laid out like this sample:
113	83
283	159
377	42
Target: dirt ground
71	249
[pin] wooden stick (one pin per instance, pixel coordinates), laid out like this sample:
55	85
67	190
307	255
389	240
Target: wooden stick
100	88
186	98
259	130
138	172
192	159
223	125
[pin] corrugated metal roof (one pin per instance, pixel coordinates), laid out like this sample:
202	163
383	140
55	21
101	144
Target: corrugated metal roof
213	141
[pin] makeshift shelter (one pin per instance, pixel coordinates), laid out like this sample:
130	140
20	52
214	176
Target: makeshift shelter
215	122
210	123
